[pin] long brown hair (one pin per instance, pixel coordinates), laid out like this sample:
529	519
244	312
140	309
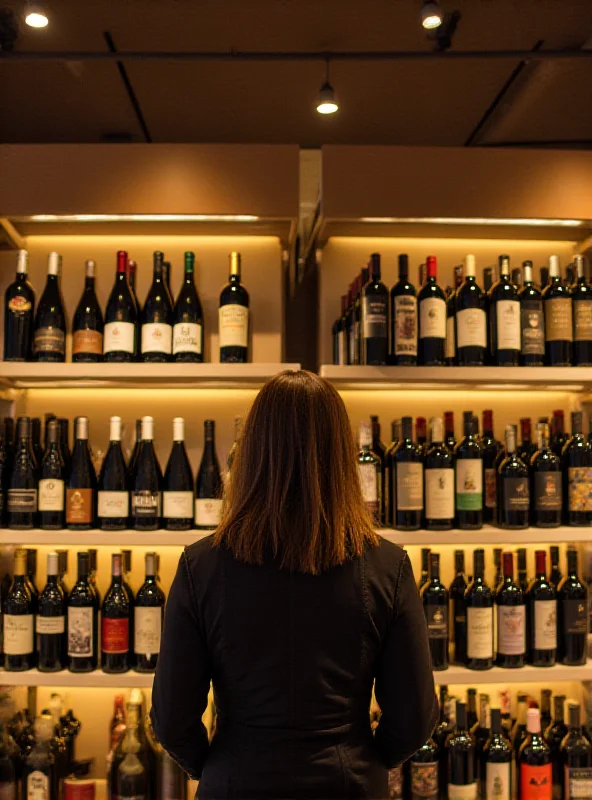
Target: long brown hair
294	493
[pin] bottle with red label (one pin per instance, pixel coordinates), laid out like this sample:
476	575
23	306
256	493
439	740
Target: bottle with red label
115	615
535	772
19	311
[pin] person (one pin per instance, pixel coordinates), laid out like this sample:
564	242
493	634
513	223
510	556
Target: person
293	609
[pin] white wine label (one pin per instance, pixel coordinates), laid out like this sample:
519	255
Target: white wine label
511	630
409	486
208	512
450	349
18	634
187	338
146	503
21	500
233	321
471	328
369	482
51	624
508	324
38	786
432	318
51	494
341	349
177	505
469	484
119	337
113	504
147	630
545	624
533	331
558	320
466	791
498	781
80	632
157	337
375	315
479	632
578	783
582	321
439	487
405	325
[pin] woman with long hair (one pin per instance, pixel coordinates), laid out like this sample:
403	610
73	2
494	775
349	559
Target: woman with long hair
294	609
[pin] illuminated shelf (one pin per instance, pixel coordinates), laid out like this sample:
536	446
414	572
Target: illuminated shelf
97	679
160	538
527	674
488	535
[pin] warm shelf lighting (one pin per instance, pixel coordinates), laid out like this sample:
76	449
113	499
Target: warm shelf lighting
540	222
138	218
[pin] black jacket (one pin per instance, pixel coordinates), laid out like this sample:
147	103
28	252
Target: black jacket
293	658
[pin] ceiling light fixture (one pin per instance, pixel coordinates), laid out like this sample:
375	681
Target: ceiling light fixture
431	15
327	101
36	15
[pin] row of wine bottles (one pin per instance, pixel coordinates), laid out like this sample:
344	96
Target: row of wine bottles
511	323
161	330
441	483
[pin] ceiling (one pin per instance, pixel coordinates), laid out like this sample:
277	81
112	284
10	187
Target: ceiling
474	102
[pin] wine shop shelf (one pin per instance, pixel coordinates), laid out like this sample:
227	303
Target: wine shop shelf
97	679
161	538
488	535
527	674
17	375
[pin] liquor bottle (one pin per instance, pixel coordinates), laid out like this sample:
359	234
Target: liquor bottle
471	319
132	780
87	327
113	495
379	450
81	488
121	318
21	493
51	621
541	616
577	467
496	770
369	472
546	716
462	781
458	610
115	617
403	318
450	439
435	606
511	619
513	496
546	492
432	319
439	481
208	484
572	615
558	318
408	476
156	318
349	324
479	603
49	332
339	336
145	483
19	313
177	497
375	301
504	319
82	623
19	619
424	576
39	778
132	273
535	777
51	482
576	757
532	321
469	478
233	317
149	616
422	775
582	316
559	437
555	575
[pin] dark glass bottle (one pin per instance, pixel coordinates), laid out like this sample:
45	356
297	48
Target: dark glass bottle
113	495
559	437
5	466
527	447
65	443
511	619
435	605
424	576
145	483
166	274
21	494
480	732
359	313
156	318
554	736
523	581
375	302
462	780
497	563
19	313
555	575
233	317
439	481
36	439
576	757
479	603
132	779
39	778
32	571
132	273
513	496
443	729
450	348
177	496
577	470
49	333
496	769
541	616
63	571
519	732
546	716
408	476
51	621
379	450
458	610
469	478
340	335
82	624
558	317
404	323
491	450
120	340
20	607
546	490
208	484
532	321
389	466
115	627
87	328
422	773
350	326
149	616
432	319
449	437
81	488
138	439
535	774
582	316
471	319
572	615
504	319
51	481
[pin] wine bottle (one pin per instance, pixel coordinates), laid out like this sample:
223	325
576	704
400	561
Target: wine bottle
469	478
576	757
51	482
555	575
132	780
36	439
65	443
421	438
19	619
132	272
39	776
450	348
527	447
546	483
363	279
233	317
582	316
450	439
178	484
81	488
519	732
439	482
572	615
577	466
435	606
496	772
115	616
166	275
471	319
121	318
340	336
523	581
535	777
113	495
432	319
238	424
87	328
49	334
156	318
149	616
145	483
403	318
481	732
504	319
497	563
462	782
424	576
479	603
511	619
379	450
51	621
369	472
63	571
423	779
559	437
532	319
558	318
513	492
19	313
134	453
554	735
458	610
408	476
541	616
506	712
349	324
82	623
208	485
375	317
21	494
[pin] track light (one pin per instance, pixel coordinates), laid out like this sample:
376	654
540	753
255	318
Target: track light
36	15
431	14
327	101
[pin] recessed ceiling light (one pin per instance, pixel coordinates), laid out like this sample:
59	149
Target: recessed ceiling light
431	15
36	15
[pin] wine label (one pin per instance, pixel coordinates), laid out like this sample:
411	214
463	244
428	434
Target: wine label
533	331
575	616
395	783
578	783
471	328
469	484
341	349
424	779
21	500
479	632
558	320
49	340
38	786
146	503
233	322
208	512
51	625
511	630
177	505
536	783
369	482
19	304
545	624
405	325
498	781
80	632
147	630
113	504
579	488
490	487
548	491
87	341
437	621
119	337
432	318
508	324
516	494
79	506
18	634
582	311
375	315
409	486
157	337
79	789
114	635
187	338
51	494
439	489
450	346
465	791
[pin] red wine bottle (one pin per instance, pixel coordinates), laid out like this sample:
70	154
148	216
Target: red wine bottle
113	495
233	317
479	603
577	470
450	349
115	627
462	780
82	624
156	318
177	496
21	494
19	313
408	480
576	756
513	496
121	318
469	478
532	320
496	771
541	601
149	616
87	328
435	606
558	318
19	610
403	318
504	319
535	774
439	482
146	483
208	484
559	437
546	492
458	610
375	301
572	615
51	621
49	334
582	316
511	619
432	319
52	481
471	319
188	330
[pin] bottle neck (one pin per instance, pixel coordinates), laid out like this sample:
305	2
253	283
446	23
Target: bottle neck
89	283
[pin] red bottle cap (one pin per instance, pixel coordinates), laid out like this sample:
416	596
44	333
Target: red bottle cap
431	266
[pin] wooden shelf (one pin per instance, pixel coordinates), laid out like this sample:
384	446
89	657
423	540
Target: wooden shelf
97	679
488	535
160	538
527	674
